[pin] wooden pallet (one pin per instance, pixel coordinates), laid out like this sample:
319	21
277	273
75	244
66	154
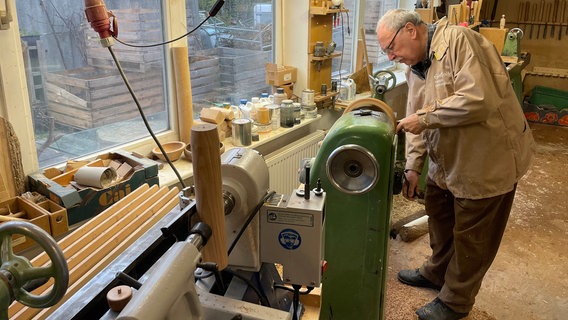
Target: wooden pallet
91	247
91	97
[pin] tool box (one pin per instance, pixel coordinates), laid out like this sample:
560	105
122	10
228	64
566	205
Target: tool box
547	105
84	202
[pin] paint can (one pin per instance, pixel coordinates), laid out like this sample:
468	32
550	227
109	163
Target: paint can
308	96
242	132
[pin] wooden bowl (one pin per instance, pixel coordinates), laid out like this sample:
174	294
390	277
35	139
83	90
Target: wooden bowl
173	149
187	150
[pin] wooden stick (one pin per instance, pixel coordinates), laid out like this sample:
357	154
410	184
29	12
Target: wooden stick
414	229
180	59
208	190
85	268
158	211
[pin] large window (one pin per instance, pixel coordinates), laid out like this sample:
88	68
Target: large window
79	102
80	105
228	54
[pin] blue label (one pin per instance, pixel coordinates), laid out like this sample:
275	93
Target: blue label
289	239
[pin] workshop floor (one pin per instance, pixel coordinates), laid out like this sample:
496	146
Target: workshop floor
529	278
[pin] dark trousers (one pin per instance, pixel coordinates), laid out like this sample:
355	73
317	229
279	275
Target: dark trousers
465	235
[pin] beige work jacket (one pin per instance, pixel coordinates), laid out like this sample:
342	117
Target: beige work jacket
477	137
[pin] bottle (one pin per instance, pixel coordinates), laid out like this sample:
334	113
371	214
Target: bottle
287	114
279	96
502	22
297	112
255	104
244	106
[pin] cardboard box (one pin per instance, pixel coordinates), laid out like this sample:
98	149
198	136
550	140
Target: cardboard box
279	75
31	213
86	202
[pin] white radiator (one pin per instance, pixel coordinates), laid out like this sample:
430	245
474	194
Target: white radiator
283	164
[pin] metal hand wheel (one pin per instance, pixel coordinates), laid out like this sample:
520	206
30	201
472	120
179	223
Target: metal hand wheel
17	271
383	81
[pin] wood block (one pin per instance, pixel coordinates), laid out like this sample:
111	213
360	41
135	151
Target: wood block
229	115
212	116
496	36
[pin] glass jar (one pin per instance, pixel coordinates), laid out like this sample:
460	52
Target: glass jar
287	114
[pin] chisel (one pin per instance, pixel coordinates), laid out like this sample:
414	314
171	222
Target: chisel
527	13
541	17
520	14
554	14
561	20
547	12
533	18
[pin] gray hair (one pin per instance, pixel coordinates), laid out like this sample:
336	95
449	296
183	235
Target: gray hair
397	18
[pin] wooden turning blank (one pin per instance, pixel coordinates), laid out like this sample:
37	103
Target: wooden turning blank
206	161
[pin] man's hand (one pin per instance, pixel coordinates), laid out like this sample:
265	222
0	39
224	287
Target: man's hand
410	124
410	184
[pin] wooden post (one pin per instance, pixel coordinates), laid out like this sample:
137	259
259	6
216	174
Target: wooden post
184	101
206	161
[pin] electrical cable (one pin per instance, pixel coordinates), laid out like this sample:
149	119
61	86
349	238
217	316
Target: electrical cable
251	215
213	12
262	297
127	83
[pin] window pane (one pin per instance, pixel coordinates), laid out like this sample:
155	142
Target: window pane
79	102
373	11
343	35
228	53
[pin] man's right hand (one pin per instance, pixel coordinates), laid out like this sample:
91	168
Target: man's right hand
410	184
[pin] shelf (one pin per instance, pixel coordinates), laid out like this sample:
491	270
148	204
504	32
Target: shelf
319	98
325	10
326	57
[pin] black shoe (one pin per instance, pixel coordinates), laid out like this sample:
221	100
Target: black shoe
438	310
414	278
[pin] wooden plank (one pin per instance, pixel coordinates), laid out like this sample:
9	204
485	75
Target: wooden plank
117	209
169	201
60	95
551	71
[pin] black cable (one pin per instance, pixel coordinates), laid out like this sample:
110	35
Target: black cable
261	296
251	215
213	12
162	43
127	83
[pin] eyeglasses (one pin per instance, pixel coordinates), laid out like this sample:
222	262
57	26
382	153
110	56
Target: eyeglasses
386	51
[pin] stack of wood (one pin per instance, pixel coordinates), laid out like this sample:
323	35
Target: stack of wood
221	117
91	247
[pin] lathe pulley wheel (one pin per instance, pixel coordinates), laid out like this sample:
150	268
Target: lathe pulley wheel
374	104
16	270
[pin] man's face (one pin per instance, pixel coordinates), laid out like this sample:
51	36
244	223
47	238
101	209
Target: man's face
400	45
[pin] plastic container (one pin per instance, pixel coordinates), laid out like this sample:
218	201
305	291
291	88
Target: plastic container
274	113
279	96
297	112
310	111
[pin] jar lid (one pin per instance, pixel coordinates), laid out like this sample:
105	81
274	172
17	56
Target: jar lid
287	101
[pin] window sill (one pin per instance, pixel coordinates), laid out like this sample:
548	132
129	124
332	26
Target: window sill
268	142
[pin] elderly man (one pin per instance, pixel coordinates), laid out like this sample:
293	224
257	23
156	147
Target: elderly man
463	114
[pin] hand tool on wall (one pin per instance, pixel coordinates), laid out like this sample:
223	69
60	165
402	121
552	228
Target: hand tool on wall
546	18
561	19
540	17
527	14
520	14
554	14
534	11
566	15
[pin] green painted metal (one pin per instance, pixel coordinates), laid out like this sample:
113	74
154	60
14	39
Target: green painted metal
357	225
